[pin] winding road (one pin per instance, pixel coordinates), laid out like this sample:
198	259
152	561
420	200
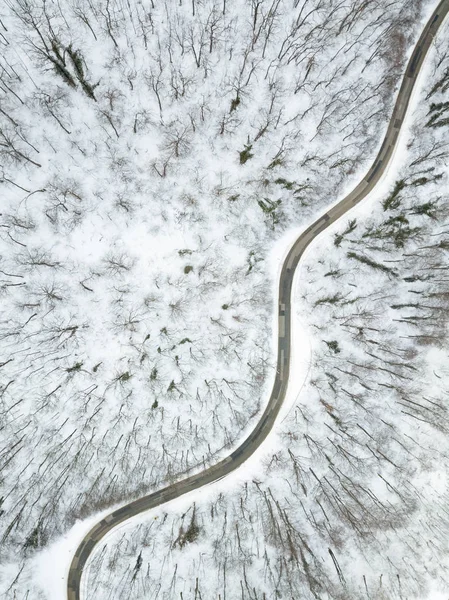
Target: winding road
268	418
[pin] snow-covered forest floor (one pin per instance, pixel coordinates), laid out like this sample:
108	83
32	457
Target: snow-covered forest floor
152	154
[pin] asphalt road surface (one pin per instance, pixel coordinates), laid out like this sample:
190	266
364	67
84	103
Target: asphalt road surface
268	418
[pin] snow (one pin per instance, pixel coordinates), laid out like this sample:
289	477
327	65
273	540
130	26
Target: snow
132	216
50	566
434	482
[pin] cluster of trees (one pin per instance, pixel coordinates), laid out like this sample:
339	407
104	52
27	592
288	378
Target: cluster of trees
351	500
150	153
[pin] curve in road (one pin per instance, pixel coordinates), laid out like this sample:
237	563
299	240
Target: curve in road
264	426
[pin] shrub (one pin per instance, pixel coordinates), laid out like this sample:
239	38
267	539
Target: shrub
392	201
245	154
333	345
234	103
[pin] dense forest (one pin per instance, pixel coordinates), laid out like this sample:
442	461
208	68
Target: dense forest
152	155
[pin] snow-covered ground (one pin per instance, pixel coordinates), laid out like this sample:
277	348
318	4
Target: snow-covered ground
348	499
139	267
